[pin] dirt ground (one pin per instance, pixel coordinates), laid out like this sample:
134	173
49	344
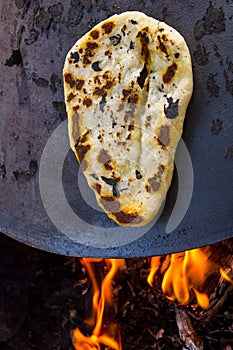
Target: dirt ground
45	296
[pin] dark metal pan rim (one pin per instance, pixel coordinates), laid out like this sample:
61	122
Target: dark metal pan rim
75	250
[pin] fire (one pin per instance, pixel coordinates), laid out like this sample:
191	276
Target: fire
225	275
184	277
186	272
105	331
155	264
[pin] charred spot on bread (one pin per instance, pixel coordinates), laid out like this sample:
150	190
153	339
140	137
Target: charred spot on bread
103	156
112	182
123	29
102	102
154	183
162	45
108	27
143	37
94	34
170	73
110	204
89	52
69	79
75	108
131	45
79	84
95	66
97	186
127	218
172	110
82	150
87	102
74	56
164	135
115	39
142	77
138	174
94	176
70	97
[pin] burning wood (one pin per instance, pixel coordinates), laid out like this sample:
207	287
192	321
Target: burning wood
187	333
182	277
186	276
183	274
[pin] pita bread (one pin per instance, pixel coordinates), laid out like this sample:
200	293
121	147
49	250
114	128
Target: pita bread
127	85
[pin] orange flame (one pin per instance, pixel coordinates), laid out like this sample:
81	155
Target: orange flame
105	332
154	266
185	273
183	277
225	276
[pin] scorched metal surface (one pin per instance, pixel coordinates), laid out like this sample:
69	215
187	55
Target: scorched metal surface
35	38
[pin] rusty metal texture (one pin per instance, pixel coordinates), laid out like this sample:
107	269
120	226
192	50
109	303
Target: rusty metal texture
34	39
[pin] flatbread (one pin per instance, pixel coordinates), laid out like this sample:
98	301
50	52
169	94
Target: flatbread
127	85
